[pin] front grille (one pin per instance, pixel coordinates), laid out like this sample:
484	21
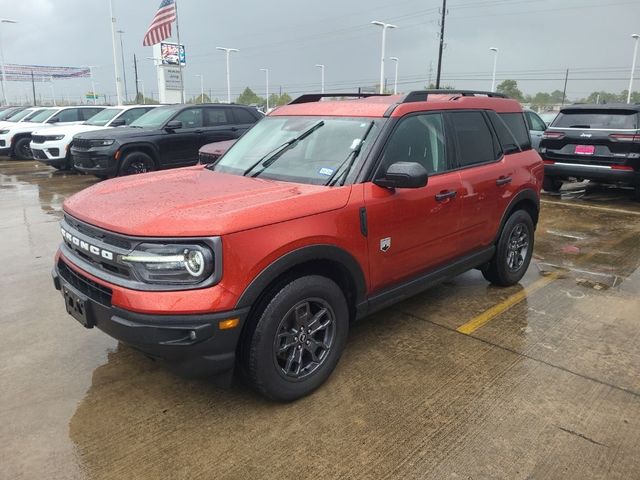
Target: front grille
94	232
38	139
55	152
81	143
39	154
91	289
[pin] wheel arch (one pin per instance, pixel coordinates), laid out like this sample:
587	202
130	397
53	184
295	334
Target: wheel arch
527	200
15	139
147	148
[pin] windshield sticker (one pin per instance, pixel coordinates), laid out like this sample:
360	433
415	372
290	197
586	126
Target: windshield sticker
355	143
327	172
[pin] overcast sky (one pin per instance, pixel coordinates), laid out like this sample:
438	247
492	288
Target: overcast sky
537	39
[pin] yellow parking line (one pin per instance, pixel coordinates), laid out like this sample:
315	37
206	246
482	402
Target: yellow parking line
488	315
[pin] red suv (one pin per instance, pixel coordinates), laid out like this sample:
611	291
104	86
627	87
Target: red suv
324	212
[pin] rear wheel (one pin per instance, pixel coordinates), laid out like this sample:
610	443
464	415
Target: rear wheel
136	162
513	251
552	184
22	151
298	338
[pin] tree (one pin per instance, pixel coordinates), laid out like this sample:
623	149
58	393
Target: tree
276	100
432	86
249	97
140	100
510	89
200	99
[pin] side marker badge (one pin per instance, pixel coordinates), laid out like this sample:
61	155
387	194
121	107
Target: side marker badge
385	244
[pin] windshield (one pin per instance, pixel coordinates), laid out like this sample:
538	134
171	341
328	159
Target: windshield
154	118
604	119
301	149
42	116
20	115
102	118
8	113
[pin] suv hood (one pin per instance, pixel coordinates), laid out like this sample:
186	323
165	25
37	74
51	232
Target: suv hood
69	130
118	133
195	202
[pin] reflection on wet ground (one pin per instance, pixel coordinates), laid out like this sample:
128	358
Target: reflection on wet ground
543	383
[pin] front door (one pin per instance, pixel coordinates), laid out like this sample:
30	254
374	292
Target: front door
180	146
411	231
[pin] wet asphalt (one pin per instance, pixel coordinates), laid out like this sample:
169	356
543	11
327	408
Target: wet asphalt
465	381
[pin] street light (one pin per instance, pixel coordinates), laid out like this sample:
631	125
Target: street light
384	26
124	70
4	92
635	36
395	83
115	54
495	64
201	86
266	71
321	67
228	51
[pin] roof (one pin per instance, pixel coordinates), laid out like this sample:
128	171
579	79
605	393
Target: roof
602	106
393	106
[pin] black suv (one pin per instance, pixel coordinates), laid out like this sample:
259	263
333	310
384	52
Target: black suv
593	142
166	137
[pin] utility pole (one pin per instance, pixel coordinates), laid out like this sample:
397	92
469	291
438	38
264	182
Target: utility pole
444	14
564	92
135	72
33	87
124	71
635	36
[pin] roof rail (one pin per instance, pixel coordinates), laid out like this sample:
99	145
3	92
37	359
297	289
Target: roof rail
316	97
422	95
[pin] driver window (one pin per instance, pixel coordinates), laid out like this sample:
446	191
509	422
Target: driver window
536	122
191	118
420	139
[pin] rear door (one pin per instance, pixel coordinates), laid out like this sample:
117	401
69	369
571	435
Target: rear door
180	146
219	125
598	137
414	230
244	119
484	175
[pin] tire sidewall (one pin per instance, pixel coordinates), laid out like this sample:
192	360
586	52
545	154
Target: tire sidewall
132	157
513	277
262	368
17	149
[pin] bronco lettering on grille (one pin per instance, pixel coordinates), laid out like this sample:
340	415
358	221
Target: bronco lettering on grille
87	247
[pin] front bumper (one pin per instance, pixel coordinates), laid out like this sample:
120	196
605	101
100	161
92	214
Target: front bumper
95	162
191	345
597	173
51	153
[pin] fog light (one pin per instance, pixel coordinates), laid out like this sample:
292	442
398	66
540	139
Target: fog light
228	324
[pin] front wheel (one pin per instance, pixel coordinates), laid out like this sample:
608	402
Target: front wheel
513	251
136	162
22	150
298	338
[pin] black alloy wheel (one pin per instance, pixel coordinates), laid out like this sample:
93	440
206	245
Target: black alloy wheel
518	247
136	162
22	149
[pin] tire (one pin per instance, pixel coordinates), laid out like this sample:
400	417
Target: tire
281	361
136	162
513	251
21	150
551	184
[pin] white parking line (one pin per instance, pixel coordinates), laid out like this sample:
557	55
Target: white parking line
591	207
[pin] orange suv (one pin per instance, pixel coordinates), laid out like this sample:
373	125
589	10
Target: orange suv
324	212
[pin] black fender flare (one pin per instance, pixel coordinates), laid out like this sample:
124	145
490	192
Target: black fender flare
526	194
141	147
300	256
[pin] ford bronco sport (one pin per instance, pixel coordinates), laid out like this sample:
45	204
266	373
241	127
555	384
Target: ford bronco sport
322	213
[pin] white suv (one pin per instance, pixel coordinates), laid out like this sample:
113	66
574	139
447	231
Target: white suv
15	139
51	145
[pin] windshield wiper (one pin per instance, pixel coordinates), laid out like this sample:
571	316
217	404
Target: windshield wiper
351	158
268	159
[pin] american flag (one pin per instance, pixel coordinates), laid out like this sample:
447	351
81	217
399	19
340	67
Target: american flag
160	28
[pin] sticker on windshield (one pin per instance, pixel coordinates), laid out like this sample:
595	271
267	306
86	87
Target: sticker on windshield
355	143
327	172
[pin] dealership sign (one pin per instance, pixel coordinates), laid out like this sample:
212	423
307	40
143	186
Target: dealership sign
41	73
171	52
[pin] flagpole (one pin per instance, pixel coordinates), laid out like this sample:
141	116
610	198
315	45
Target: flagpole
115	54
179	50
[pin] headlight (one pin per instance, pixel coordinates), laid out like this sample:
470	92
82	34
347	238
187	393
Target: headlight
177	264
102	143
3	132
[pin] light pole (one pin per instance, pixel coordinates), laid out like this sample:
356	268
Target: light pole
266	72
495	65
384	26
53	92
124	70
228	52
635	36
201	86
115	54
4	91
321	67
395	83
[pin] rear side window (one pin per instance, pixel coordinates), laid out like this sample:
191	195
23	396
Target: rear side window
473	137
215	117
509	126
133	114
606	119
243	116
87	113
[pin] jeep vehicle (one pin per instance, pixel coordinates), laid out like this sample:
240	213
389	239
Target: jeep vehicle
15	139
211	152
21	115
322	213
593	142
52	145
169	136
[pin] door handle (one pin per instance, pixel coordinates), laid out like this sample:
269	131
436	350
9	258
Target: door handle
199	131
503	181
445	195
234	129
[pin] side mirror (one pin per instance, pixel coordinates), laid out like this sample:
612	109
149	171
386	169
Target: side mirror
173	125
403	175
54	120
118	122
